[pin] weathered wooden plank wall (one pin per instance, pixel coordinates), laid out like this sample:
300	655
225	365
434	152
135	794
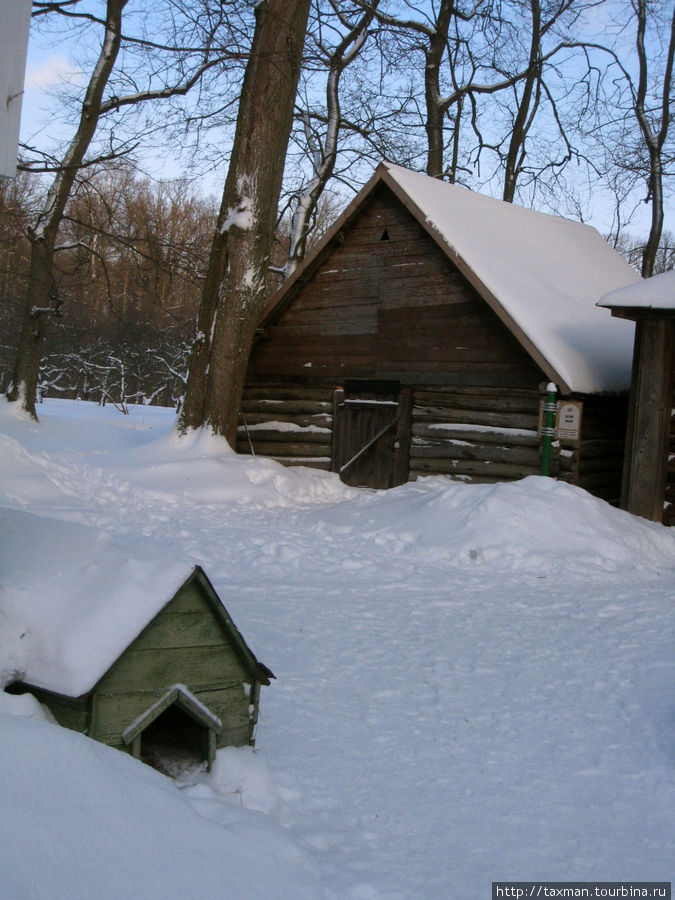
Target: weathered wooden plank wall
68	711
596	463
390	308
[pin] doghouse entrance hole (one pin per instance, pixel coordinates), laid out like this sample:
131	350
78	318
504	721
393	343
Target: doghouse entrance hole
174	742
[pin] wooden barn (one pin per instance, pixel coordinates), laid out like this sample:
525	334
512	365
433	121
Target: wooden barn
649	474
167	677
419	335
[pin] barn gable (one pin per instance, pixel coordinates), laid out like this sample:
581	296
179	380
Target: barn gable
540	274
419	334
385	302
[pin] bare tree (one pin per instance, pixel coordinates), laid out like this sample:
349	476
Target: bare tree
472	53
654	124
234	289
322	148
629	126
42	298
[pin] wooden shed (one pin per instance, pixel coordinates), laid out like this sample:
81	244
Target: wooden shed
418	336
169	680
649	473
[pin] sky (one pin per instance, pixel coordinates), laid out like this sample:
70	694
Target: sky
52	63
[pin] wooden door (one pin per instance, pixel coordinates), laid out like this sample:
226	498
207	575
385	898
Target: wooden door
371	433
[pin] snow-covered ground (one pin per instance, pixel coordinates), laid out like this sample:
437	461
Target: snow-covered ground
474	683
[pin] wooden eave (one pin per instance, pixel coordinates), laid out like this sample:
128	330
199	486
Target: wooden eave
634	313
283	297
259	671
36	689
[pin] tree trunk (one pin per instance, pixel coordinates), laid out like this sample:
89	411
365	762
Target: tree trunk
234	291
654	139
516	151
39	300
435	109
656	226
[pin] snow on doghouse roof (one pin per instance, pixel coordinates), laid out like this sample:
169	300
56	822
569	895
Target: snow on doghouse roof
73	598
657	292
541	274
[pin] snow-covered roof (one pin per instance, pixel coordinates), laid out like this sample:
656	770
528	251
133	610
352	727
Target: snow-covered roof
77	597
657	292
544	273
541	274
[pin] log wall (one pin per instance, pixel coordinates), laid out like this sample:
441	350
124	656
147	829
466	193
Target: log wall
291	424
384	302
475	434
596	464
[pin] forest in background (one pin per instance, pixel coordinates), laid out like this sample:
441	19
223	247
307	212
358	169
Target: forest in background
519	98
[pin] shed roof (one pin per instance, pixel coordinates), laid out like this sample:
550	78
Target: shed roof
655	293
541	274
74	598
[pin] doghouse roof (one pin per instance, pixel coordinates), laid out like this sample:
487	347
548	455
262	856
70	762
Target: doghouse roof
75	598
541	274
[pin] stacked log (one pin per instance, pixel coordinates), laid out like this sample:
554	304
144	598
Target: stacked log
475	434
290	424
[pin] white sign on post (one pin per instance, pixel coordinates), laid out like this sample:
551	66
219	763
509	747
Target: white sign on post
569	421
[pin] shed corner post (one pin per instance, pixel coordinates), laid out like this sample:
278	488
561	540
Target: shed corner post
254	711
650	409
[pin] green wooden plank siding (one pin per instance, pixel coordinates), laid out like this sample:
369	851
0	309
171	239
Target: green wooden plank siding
232	708
193	666
184	644
75	717
188	599
237	736
192	628
113	713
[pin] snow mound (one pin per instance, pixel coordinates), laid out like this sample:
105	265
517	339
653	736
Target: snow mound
201	467
141	454
81	820
535	523
240	776
474	681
